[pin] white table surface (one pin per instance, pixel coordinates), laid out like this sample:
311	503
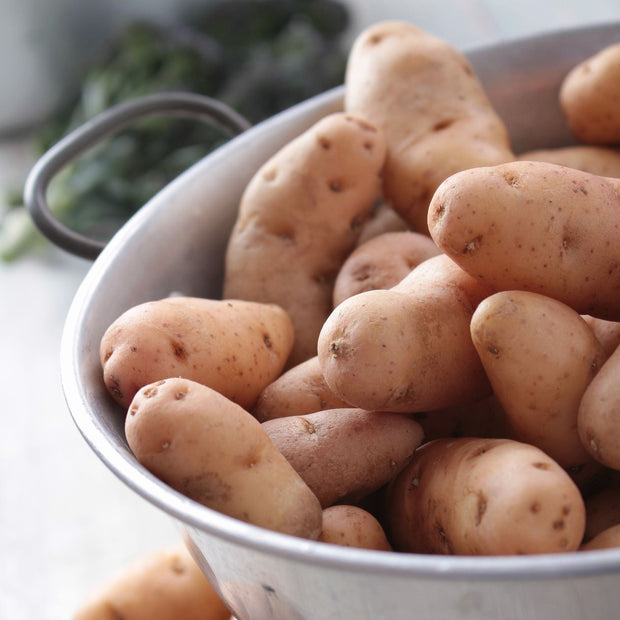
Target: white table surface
66	522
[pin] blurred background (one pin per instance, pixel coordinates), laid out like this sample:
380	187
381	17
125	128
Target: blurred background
66	524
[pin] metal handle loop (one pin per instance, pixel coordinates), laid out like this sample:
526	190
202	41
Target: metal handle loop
105	124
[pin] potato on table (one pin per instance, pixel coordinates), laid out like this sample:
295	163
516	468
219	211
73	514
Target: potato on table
352	526
434	113
471	496
213	451
235	347
299	218
535	226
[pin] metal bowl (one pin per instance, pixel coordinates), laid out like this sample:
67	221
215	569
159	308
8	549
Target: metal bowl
176	243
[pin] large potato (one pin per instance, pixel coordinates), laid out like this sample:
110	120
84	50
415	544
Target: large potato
590	97
471	496
535	226
434	113
213	451
344	455
234	347
299	218
407	348
540	356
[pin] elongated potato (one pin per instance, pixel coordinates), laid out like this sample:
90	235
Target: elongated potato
213	451
598	419
299	218
590	97
601	160
235	347
535	226
161	585
344	455
407	348
434	113
471	496
352	526
382	262
540	356
301	389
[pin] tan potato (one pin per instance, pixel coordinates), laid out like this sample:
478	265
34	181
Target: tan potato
606	332
301	389
535	226
598	420
161	585
607	539
344	455
602	511
352	526
234	347
382	262
407	348
382	219
590	97
540	356
299	218
601	160
216	453
471	496
429	103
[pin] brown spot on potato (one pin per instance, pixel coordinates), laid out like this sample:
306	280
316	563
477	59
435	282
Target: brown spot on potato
335	186
443	124
541	465
493	350
150	392
180	395
472	245
114	386
535	507
325	143
270	175
511	178
107	355
481	507
133	409
267	341
179	351
558	524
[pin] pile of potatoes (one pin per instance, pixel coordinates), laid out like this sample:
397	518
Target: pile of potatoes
417	345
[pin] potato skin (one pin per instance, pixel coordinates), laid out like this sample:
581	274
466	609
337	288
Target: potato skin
165	584
344	455
408	348
352	526
382	262
601	160
299	218
235	347
606	332
429	103
590	98
471	496
536	226
213	451
540	356
607	539
599	414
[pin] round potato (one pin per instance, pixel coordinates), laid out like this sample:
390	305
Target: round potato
352	526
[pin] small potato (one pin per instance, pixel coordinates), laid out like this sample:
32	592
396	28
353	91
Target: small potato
301	389
234	347
598	419
351	526
408	348
299	218
602	511
536	226
382	262
162	585
437	119
216	453
590	98
344	455
540	356
607	539
601	160
471	496
606	332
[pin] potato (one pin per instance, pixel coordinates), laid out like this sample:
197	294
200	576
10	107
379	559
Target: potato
408	348
301	389
535	226
598	419
165	584
590	97
607	539
601	160
429	103
234	347
382	262
352	526
299	218
602	511
344	455
606	332
540	356
471	496
216	453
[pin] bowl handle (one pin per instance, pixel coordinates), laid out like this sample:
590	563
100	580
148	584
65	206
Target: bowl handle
107	123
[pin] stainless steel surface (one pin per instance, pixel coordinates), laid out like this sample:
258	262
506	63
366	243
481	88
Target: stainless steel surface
265	575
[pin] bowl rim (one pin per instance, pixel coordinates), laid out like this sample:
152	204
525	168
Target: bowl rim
196	516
